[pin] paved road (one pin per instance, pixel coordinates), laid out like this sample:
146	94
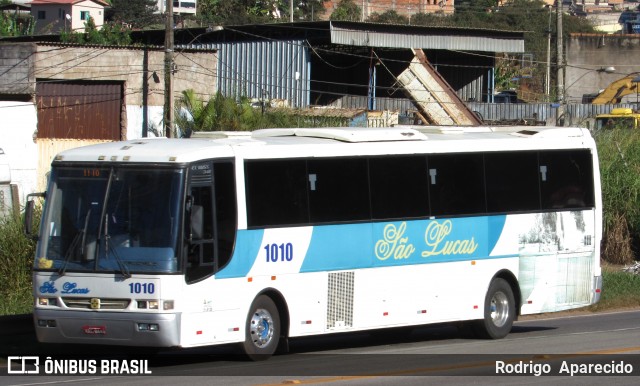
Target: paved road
558	346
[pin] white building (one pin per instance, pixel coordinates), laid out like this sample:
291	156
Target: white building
53	16
180	7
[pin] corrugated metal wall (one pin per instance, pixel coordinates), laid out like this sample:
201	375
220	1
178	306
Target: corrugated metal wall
49	148
80	110
264	69
575	114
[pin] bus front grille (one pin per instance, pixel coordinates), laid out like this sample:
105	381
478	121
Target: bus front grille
96	303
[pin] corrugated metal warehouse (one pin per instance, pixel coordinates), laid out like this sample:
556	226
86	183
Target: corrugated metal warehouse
345	64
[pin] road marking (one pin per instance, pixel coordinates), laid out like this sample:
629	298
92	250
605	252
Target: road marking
537	357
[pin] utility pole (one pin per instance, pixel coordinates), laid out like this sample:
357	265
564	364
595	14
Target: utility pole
291	11
168	71
547	82
560	60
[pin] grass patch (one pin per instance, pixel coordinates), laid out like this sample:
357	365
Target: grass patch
16	258
619	290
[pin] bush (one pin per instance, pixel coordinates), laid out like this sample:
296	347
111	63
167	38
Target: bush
16	258
619	155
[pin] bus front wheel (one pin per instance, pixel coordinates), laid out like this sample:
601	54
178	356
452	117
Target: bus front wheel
499	311
262	329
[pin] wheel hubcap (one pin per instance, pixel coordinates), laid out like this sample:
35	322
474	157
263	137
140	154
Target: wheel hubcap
499	309
261	328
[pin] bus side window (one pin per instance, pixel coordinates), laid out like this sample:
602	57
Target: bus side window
226	211
276	192
512	181
338	190
456	184
399	187
568	179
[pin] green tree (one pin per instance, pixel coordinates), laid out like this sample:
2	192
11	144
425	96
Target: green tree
14	24
388	17
307	10
347	10
234	12
193	114
219	113
109	34
136	13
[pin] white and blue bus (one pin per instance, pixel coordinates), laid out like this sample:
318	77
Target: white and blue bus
295	232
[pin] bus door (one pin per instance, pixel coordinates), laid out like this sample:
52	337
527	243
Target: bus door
211	218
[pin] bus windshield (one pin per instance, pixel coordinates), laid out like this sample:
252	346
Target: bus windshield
111	219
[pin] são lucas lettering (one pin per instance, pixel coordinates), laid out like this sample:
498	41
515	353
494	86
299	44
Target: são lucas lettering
394	244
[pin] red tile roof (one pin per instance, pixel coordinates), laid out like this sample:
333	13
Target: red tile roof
72	2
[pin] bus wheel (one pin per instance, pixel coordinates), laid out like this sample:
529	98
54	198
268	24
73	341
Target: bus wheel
263	329
499	311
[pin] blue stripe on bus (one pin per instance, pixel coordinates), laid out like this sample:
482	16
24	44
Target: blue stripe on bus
248	245
352	246
402	243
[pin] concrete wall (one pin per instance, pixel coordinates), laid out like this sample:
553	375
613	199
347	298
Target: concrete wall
195	70
16	139
586	54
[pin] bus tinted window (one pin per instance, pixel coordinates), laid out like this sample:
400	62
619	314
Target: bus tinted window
399	187
226	210
338	189
276	192
456	184
512	181
566	179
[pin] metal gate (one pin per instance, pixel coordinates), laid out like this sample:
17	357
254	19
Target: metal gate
80	110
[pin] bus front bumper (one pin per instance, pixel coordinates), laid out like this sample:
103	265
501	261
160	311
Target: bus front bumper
107	328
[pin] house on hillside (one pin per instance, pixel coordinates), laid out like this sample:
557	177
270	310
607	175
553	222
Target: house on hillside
53	16
180	7
405	8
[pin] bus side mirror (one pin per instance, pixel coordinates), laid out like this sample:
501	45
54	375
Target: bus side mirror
197	215
28	214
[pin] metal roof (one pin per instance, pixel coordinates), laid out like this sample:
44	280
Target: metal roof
456	39
365	34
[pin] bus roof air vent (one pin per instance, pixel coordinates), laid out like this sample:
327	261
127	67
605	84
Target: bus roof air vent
347	134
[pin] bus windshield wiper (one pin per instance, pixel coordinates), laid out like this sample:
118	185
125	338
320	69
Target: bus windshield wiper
79	238
107	241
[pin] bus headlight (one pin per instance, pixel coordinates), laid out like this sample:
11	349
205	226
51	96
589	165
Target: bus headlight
155	304
47	302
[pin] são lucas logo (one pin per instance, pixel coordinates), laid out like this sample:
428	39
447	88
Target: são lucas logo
396	245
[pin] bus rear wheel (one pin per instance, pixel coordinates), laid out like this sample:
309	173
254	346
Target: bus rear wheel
262	329
499	311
